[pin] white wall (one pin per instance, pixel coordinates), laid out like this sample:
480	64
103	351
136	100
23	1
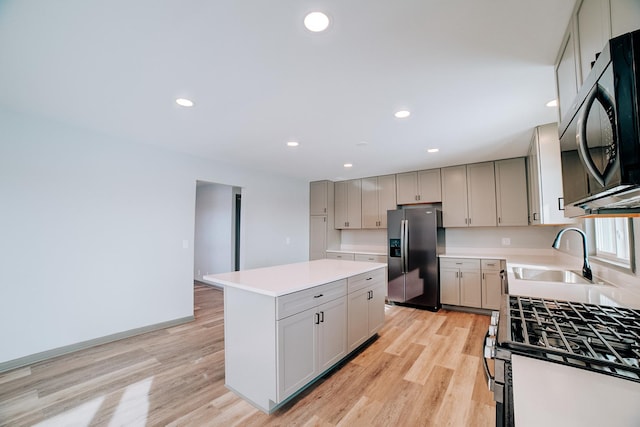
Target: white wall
532	237
214	234
92	231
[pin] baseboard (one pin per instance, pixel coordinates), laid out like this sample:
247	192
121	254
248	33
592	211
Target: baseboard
209	284
48	354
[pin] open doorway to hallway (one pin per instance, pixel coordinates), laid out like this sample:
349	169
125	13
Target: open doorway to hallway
217	229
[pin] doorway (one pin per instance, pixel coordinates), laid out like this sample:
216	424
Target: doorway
217	229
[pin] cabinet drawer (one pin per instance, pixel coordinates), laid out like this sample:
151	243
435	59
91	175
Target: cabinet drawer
340	255
296	302
371	258
491	264
364	280
460	263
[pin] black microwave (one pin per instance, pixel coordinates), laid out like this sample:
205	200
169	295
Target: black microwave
600	134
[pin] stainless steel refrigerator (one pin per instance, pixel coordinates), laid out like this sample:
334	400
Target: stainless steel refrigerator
416	238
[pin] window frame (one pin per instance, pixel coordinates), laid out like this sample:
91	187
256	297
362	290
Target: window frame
611	261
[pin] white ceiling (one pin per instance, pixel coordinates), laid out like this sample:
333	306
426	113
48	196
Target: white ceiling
476	75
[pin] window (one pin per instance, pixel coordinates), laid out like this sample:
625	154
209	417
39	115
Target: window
614	240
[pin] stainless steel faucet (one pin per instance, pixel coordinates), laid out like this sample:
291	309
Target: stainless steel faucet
586	268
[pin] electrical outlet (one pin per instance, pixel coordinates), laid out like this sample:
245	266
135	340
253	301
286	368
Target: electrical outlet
287	240
506	241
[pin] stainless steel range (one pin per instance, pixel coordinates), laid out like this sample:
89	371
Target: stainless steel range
582	337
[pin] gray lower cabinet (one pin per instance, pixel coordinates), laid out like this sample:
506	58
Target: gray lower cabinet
470	282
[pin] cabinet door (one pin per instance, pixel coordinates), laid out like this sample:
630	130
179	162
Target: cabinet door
340	208
491	290
332	333
386	198
297	352
454	196
370	202
318	198
317	237
481	188
533	167
470	288
376	308
594	29
511	192
429	186
566	77
407	188
358	323
354	203
449	286
625	16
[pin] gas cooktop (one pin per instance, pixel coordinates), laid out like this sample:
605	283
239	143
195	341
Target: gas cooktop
588	336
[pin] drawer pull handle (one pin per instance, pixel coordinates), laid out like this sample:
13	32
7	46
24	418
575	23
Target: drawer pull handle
370	278
318	296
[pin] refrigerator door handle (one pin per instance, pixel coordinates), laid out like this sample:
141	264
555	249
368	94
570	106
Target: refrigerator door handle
402	246
405	246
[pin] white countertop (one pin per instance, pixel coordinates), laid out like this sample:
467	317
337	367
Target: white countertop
284	279
623	291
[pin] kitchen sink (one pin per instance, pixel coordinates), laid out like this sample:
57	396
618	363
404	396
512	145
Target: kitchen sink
561	276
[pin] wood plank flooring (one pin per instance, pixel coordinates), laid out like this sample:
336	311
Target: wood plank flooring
425	369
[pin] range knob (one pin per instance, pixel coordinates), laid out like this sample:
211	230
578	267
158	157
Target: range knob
495	316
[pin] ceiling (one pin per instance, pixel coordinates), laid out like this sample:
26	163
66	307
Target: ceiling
475	74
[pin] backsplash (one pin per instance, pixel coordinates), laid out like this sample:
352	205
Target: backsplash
482	237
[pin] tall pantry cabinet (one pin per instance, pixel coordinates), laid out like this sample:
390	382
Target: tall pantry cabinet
322	232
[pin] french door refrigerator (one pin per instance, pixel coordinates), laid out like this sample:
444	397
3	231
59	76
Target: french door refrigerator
416	238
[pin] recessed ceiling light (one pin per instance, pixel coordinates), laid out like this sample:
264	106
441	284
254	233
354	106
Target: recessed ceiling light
316	22
183	102
552	103
348	165
433	150
402	114
293	143
362	143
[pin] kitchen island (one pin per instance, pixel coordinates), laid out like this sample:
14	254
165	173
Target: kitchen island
287	325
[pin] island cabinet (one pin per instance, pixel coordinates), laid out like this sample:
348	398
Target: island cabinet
365	303
312	334
285	326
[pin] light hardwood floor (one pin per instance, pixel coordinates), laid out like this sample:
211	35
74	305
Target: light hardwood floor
424	369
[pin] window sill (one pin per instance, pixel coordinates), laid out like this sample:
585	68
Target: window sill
618	266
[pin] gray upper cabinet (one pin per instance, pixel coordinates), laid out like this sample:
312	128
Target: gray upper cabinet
469	195
378	196
594	29
348	204
566	76
625	16
592	24
318	197
418	187
544	171
511	192
481	184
